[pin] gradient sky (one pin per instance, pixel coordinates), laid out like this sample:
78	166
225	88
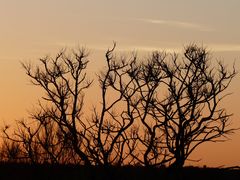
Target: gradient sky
30	29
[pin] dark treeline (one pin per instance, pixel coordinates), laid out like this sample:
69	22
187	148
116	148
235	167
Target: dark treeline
76	172
151	113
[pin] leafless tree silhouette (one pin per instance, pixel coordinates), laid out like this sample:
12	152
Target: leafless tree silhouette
177	102
112	121
154	112
190	109
63	80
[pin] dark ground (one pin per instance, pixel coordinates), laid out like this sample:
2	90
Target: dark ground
42	172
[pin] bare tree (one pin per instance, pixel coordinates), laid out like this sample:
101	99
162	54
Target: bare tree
190	109
112	122
63	80
126	129
176	104
147	78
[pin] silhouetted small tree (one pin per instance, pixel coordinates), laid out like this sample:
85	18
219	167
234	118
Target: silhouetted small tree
189	104
126	132
113	119
176	104
63	80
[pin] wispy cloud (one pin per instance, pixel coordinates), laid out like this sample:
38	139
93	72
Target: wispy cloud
225	47
140	49
176	48
180	24
154	48
180	49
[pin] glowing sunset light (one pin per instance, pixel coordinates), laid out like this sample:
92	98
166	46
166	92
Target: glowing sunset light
31	30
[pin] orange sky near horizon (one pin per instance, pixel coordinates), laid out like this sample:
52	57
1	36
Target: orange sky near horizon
31	29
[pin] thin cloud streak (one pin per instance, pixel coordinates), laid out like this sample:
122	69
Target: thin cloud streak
213	47
140	49
218	47
225	47
180	24
151	49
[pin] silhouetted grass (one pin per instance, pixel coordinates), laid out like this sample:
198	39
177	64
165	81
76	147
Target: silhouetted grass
72	172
